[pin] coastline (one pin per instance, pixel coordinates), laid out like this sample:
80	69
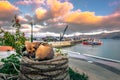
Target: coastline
94	59
95	67
94	71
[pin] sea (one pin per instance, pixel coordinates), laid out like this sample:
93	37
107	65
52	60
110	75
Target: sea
110	49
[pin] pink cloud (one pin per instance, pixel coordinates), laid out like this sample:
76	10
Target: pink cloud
22	19
34	3
7	10
82	17
28	2
40	13
58	8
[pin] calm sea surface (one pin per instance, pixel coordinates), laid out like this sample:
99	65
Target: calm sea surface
109	49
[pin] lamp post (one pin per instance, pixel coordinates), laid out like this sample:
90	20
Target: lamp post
31	31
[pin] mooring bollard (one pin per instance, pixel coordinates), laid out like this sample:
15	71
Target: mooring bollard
53	69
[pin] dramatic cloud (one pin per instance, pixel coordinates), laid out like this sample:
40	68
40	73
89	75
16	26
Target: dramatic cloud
40	13
7	10
27	28
22	19
82	18
28	17
61	13
58	8
111	21
34	3
54	15
90	22
28	2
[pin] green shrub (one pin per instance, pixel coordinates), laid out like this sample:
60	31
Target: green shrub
11	64
76	76
15	40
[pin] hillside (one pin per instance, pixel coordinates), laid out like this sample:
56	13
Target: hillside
115	35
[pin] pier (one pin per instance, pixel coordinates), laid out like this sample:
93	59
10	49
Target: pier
61	44
65	43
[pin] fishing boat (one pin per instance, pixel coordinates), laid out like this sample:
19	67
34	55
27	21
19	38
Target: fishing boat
92	42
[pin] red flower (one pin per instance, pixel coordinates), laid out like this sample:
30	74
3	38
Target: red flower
17	20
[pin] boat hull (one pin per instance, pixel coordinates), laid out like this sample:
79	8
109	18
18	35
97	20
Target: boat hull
92	43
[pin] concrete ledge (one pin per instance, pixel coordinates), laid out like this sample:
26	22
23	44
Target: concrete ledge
61	43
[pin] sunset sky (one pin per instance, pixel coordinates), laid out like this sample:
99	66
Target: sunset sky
82	16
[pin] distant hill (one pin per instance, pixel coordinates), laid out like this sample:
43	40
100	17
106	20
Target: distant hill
115	35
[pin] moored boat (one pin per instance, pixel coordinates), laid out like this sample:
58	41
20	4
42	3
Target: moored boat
92	42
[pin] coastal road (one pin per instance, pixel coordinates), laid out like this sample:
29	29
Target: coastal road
96	70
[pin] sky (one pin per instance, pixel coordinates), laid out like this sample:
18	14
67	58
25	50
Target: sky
52	16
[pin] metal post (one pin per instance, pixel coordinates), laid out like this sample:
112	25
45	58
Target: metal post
31	32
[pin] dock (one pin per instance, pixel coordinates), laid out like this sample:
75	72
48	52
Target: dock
61	44
57	44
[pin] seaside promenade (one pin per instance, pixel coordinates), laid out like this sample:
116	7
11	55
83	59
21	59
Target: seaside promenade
95	68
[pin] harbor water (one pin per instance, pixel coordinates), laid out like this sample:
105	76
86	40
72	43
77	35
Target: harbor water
110	49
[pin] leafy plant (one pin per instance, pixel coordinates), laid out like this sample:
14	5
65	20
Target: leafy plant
14	40
77	76
17	40
58	50
11	64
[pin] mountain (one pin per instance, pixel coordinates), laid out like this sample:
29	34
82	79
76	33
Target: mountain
114	35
